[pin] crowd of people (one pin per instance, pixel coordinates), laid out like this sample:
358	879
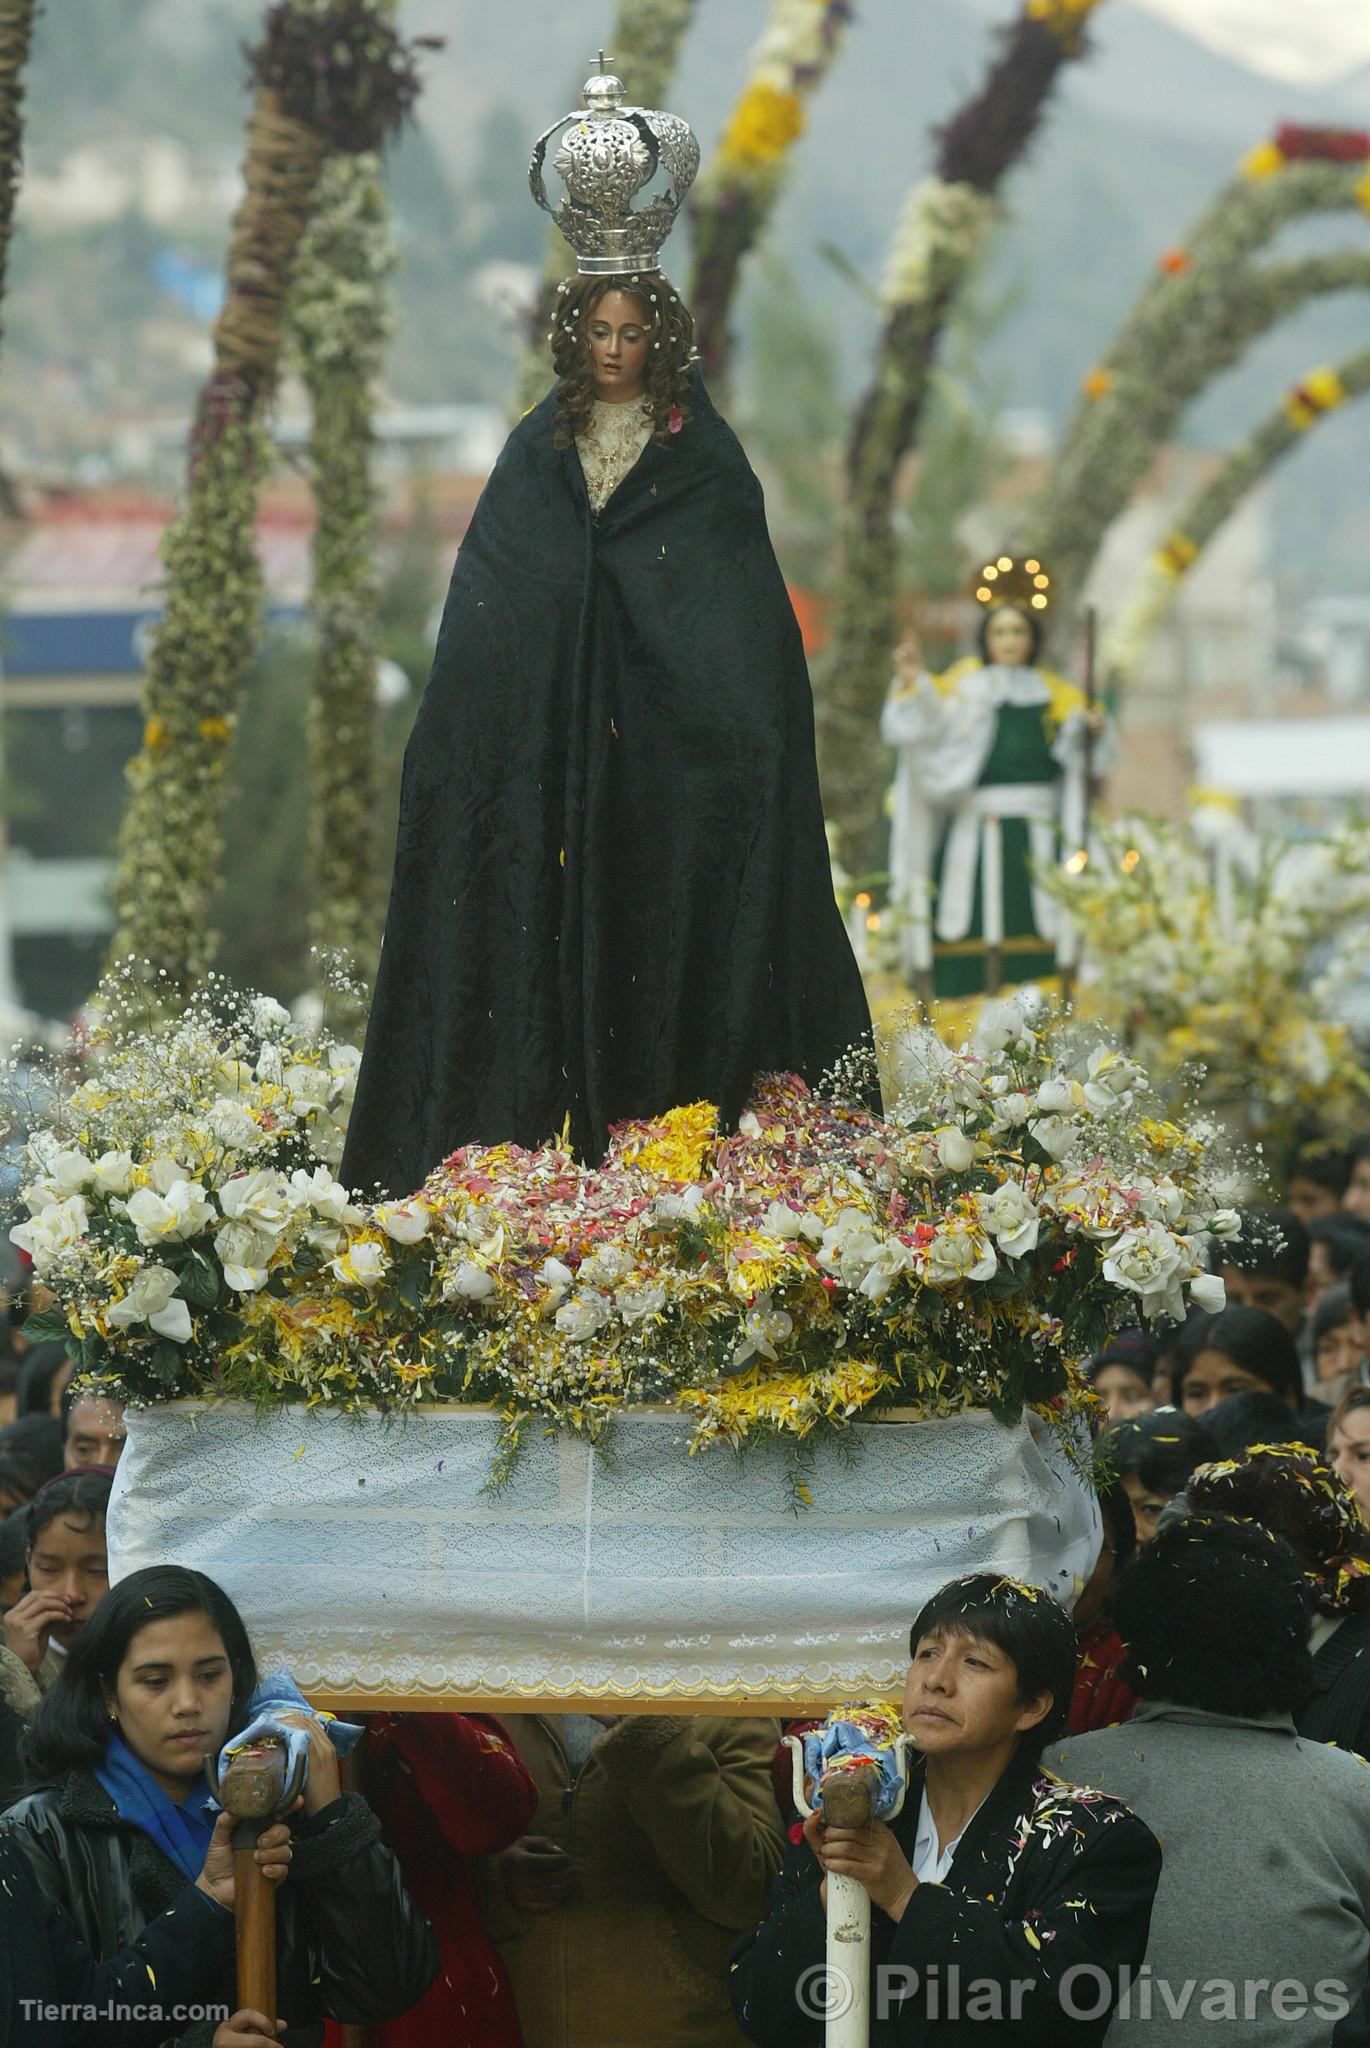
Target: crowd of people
1153	1810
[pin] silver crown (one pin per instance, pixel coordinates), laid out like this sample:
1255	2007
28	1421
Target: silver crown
606	156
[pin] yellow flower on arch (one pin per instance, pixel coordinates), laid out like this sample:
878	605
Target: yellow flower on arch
765	123
1262	162
1319	392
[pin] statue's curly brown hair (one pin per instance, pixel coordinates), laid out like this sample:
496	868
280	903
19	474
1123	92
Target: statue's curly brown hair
670	349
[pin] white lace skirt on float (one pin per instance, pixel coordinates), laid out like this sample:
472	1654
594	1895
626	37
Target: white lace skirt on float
365	1552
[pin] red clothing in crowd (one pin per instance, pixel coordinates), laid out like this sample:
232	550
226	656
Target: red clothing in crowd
448	1788
1101	1698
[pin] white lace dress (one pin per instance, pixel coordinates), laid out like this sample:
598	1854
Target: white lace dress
610	445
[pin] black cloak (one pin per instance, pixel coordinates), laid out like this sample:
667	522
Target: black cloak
612	891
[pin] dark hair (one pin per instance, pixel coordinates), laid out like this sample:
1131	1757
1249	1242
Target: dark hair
1030	620
36	1441
12	1546
1115	1511
1254	1416
71	1728
1136	1350
37	1374
1353	1398
1213	1615
1162	1448
19	1480
1034	1632
1291	1491
1357	1152
670	350
1359	1284
1322	1166
1333	1312
74	1397
1345	1239
82	1496
1271	1241
1254	1340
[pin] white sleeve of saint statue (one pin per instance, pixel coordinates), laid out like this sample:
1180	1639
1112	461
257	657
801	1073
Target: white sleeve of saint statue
942	739
909	723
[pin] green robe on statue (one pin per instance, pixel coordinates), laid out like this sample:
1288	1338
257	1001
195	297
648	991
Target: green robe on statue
990	780
1021	753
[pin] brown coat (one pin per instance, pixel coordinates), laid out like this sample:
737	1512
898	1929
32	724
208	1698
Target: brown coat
673	1829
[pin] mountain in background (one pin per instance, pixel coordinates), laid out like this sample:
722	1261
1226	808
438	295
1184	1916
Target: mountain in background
1140	137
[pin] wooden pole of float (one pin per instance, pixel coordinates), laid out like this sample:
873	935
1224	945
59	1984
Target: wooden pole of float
252	1789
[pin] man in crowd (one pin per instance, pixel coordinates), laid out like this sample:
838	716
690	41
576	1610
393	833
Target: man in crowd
1266	1267
95	1432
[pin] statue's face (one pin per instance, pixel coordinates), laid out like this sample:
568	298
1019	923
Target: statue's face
618	349
1008	639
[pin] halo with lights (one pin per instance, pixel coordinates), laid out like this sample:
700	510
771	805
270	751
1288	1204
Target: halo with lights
1023	584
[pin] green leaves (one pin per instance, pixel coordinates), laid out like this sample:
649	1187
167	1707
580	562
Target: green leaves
199	1281
45	1325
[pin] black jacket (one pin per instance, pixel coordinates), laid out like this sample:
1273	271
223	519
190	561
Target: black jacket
1339	1710
11	1734
1047	1880
184	1957
350	1943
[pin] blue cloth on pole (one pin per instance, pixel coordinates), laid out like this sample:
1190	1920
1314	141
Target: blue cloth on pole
276	1695
846	1738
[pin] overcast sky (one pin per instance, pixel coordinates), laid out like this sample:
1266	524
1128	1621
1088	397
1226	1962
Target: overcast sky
1310	42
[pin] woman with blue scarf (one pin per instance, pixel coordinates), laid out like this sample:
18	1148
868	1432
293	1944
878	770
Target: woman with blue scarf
159	1680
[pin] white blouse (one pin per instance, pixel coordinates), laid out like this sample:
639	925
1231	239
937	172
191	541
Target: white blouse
930	1860
610	445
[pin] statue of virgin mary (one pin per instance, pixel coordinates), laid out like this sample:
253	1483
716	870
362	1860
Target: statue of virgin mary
612	890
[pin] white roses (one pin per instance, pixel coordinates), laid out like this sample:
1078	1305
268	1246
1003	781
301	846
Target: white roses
245	1255
364	1264
182	1212
1010	1216
1149	1263
151	1298
54	1229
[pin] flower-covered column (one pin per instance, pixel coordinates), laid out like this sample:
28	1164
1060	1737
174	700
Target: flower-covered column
940	237
1318	393
734	198
16	34
331	76
339	326
1209	300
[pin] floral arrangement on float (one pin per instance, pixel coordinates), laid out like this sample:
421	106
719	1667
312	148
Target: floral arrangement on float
965	1250
1219	959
